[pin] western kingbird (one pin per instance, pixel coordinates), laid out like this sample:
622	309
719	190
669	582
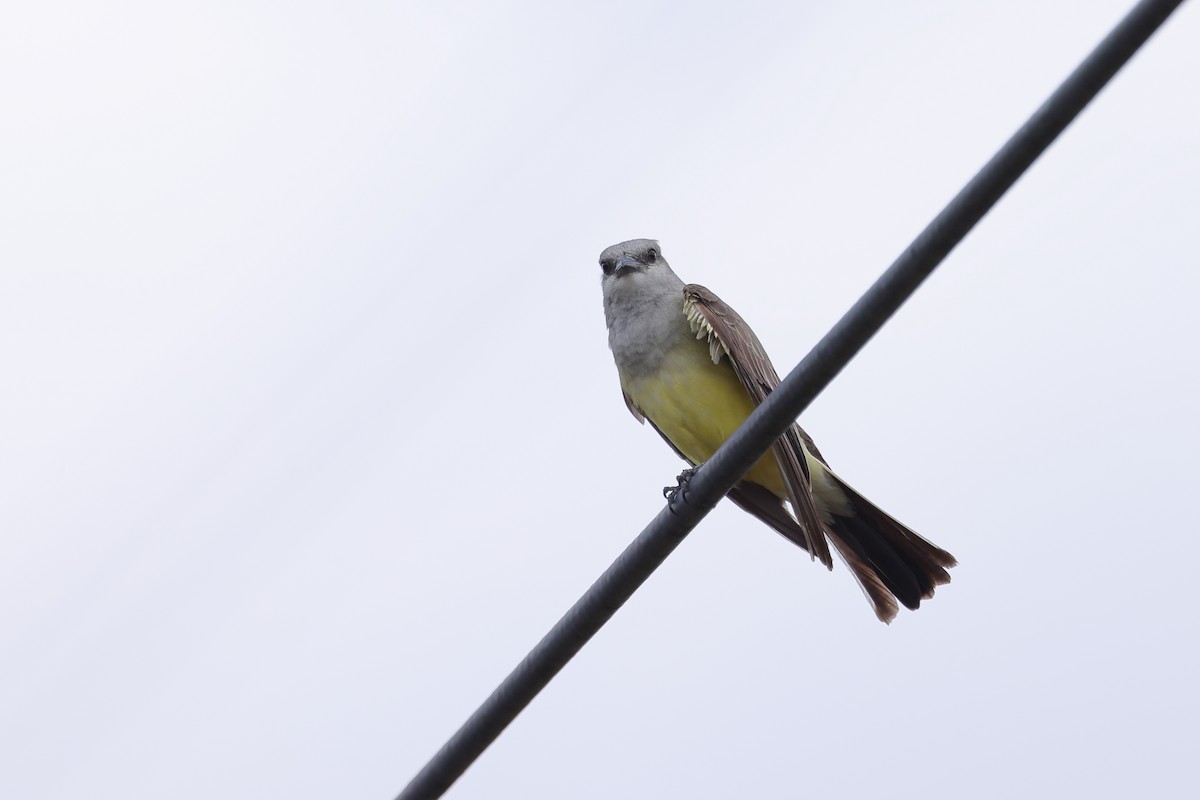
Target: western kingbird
692	366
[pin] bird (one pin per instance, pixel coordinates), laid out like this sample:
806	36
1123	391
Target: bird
691	366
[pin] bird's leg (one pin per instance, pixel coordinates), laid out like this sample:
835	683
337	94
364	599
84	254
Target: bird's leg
683	480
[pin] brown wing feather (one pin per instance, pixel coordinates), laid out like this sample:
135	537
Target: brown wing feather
633	409
729	335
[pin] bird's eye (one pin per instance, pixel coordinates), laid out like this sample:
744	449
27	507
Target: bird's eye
651	255
607	266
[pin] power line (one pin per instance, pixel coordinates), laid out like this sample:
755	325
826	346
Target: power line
777	412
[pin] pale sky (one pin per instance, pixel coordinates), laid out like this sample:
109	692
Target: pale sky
309	430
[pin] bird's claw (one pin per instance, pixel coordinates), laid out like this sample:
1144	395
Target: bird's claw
684	478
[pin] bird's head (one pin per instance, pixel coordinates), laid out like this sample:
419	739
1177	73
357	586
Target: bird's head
636	269
635	275
635	257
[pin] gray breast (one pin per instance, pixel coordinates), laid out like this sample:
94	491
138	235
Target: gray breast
643	327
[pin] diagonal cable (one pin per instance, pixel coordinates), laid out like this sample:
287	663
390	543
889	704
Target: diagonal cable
777	412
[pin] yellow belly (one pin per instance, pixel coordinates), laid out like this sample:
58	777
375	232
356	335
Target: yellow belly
697	404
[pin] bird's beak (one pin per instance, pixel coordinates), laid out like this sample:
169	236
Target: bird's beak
627	263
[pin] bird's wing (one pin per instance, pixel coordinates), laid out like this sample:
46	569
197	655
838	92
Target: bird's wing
633	409
728	334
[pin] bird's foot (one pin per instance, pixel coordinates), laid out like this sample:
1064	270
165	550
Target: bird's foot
685	477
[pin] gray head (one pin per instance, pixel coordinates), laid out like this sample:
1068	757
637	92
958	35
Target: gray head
635	266
636	255
635	275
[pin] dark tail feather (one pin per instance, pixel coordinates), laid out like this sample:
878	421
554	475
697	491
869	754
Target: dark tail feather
760	502
890	562
910	566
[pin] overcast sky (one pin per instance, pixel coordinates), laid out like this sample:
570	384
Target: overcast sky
309	429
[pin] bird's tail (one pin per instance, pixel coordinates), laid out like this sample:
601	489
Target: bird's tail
890	561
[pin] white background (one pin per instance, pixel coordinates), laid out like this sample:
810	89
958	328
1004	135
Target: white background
309	431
